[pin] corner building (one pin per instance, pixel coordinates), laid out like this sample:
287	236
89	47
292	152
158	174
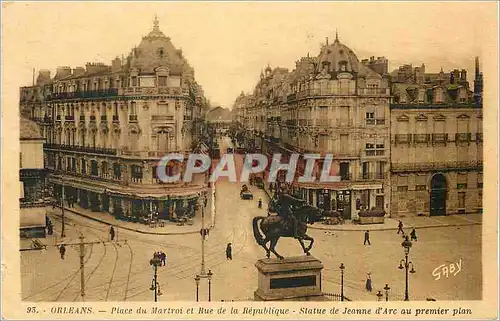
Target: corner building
330	104
106	127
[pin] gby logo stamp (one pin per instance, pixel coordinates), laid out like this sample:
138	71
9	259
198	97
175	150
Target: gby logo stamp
447	270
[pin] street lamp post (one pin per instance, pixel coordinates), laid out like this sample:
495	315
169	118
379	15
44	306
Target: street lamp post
342	267
197	280
387	288
209	275
406	264
203	232
155	262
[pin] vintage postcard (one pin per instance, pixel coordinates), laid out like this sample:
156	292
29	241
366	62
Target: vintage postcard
249	160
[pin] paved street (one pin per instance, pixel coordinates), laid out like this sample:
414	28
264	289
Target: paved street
120	270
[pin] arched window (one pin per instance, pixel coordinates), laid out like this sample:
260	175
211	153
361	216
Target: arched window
104	139
93	139
117	171
134	140
104	169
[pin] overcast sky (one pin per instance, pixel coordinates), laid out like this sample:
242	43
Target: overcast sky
229	43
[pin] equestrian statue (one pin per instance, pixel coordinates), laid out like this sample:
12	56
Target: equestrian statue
291	221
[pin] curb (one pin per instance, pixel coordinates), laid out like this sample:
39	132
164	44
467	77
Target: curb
389	228
147	232
128	228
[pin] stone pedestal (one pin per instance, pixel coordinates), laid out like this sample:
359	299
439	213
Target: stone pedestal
292	279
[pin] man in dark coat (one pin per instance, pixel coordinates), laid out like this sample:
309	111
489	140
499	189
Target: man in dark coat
62	251
112	233
163	258
367	238
229	252
400	227
413	235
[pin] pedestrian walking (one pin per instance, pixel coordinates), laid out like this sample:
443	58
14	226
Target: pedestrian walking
62	251
229	252
400	227
367	238
163	258
368	283
50	228
413	235
205	201
112	233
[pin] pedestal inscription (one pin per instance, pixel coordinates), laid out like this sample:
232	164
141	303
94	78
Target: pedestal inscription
291	279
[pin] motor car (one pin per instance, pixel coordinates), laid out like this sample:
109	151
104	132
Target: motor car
245	193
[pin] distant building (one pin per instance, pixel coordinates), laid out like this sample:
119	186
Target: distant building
106	127
436	143
218	114
32	177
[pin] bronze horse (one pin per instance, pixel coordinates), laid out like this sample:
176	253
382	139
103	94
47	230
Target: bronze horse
274	227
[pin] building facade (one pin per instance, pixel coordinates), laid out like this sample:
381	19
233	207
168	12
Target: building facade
436	143
32	180
408	142
106	127
329	104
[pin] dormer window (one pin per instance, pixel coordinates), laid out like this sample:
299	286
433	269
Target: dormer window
343	66
326	66
161	52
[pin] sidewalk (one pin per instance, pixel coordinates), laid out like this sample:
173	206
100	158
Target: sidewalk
170	228
408	222
418	222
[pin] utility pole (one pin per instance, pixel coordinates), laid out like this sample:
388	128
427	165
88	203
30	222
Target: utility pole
62	206
62	194
81	246
82	268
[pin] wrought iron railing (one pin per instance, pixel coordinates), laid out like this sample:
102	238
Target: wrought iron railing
402	138
463	137
335	297
132	118
435	106
86	94
83	149
432	166
162	117
421	138
439	138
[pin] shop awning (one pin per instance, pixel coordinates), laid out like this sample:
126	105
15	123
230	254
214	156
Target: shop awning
343	185
87	187
161	195
332	185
